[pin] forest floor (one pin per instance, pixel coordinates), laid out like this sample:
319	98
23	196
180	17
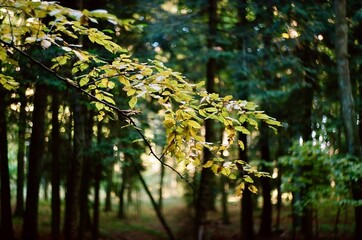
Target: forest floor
142	224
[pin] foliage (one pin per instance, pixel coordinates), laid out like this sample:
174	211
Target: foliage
27	25
307	168
325	177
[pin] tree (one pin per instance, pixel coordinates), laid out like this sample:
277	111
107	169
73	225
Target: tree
19	209
205	194
55	173
347	103
72	201
6	222
183	105
30	225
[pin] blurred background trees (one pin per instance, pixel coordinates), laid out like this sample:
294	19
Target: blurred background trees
300	61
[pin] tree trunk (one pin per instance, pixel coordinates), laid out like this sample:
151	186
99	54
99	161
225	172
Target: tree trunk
30	226
160	190
109	178
247	218
19	208
246	210
6	222
347	103
55	174
205	198
97	181
266	213
124	179
224	200
84	217
72	208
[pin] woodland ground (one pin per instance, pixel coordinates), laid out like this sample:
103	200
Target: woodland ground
142	224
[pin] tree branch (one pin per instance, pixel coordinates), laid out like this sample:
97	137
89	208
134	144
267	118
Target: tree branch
127	114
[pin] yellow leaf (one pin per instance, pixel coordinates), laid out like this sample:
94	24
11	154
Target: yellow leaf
248	179
241	144
253	189
239	189
99	106
242	129
193	124
131	92
208	164
132	103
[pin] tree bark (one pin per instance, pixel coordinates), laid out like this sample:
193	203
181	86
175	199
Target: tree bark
347	103
160	190
6	222
266	213
30	226
55	174
84	217
205	198
19	208
247	216
72	208
97	181
109	179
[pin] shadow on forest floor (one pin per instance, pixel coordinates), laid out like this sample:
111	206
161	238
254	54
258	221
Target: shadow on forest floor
141	224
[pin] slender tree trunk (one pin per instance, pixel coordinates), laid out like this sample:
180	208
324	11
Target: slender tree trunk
160	190
84	217
247	216
97	182
266	213
109	178
124	179
30	225
55	175
204	201
224	200
72	208
347	103
6	222
247	231
19	208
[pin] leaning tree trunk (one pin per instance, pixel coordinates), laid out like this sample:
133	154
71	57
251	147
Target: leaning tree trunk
347	103
6	222
205	195
30	226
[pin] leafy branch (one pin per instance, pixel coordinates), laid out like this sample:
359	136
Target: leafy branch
183	105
